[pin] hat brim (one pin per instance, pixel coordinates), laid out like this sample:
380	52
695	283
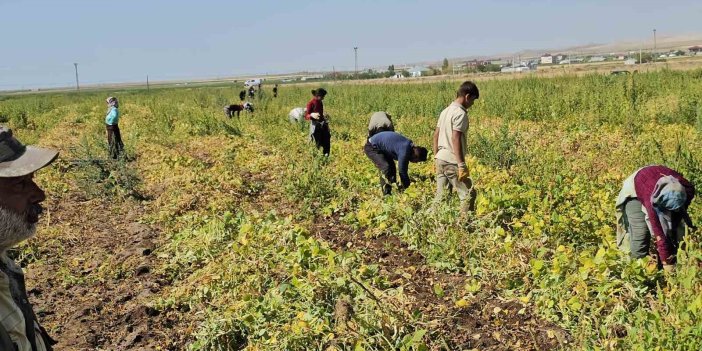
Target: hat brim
33	159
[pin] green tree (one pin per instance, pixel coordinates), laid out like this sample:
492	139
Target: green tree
445	65
489	68
391	70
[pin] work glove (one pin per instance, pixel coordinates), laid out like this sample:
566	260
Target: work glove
668	268
463	173
314	115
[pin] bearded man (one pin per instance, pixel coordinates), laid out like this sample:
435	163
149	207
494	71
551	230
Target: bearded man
20	208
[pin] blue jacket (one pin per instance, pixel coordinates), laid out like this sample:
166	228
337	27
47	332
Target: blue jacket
112	117
399	148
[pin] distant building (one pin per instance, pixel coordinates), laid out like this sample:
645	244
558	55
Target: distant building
597	59
564	62
513	69
630	61
418	71
695	50
316	76
476	63
546	59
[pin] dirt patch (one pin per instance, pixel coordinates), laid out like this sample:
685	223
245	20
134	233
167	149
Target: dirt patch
94	278
485	321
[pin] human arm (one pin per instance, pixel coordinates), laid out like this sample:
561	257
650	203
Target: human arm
403	159
435	145
666	251
456	136
309	110
463	173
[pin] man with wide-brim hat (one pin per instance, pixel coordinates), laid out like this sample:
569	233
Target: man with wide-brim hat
20	200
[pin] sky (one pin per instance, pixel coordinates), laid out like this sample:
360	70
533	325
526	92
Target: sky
124	41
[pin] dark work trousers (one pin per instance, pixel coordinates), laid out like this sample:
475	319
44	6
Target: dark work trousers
385	164
114	140
321	135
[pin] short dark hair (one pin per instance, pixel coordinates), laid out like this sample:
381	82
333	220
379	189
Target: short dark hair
468	88
420	153
319	92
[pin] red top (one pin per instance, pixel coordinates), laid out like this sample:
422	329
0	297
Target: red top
314	106
644	183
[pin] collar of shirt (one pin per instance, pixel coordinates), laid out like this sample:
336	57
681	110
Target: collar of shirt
459	106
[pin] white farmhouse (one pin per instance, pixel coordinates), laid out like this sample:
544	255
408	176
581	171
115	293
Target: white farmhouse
546	59
418	71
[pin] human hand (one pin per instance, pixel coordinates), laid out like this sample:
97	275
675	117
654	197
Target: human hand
463	173
668	268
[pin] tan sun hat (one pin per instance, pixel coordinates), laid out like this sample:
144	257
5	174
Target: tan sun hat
18	160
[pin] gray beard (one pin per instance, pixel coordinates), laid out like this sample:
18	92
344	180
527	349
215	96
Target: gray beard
14	229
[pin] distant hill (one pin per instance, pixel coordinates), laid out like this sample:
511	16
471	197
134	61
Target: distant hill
662	43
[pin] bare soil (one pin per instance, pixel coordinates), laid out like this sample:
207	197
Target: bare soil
94	276
486	323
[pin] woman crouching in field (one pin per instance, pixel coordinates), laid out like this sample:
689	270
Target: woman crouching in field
114	137
652	207
319	127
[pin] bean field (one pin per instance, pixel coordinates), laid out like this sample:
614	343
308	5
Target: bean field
258	242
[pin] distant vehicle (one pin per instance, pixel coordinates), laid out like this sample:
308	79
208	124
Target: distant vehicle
253	82
620	72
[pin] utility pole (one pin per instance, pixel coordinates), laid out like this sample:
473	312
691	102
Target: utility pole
355	56
640	49
147	83
654	42
76	67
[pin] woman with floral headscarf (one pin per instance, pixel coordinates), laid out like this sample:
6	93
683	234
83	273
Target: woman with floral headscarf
652	207
114	137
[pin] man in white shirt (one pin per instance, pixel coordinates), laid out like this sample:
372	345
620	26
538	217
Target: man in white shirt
450	147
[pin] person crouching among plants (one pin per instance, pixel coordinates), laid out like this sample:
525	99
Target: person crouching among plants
319	126
114	137
450	148
654	200
20	200
380	122
384	148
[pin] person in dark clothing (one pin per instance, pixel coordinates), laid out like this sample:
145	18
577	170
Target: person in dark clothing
242	95
252	92
275	91
114	137
319	126
231	110
384	148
